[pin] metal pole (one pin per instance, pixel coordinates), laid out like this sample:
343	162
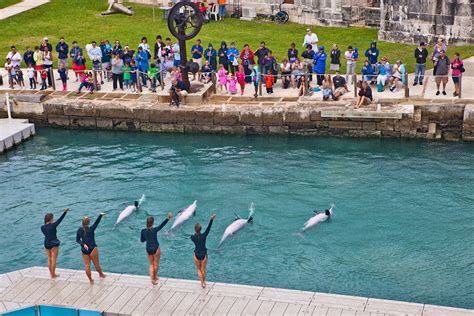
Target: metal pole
460	86
162	79
139	82
354	78
51	73
9	111
94	77
407	90
260	84
182	54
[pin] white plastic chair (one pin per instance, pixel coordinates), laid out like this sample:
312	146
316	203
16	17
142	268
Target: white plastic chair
214	12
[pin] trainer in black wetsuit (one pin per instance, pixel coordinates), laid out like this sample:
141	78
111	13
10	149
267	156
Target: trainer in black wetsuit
200	250
150	236
49	231
86	236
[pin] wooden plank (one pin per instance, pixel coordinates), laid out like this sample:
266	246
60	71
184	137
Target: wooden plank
279	308
225	305
287	296
339	301
186	303
134	301
265	308
15	289
333	311
2	307
36	295
159	303
62	294
362	313
320	311
89	296
252	307
293	309
11	305
123	299
72	298
172	303
110	298
385	306
346	312
95	300
55	289
236	290
147	301
238	306
33	287
211	305
306	310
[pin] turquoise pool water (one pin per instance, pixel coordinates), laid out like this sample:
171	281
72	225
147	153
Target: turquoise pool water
403	225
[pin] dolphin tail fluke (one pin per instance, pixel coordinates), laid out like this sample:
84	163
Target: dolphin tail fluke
141	200
251	210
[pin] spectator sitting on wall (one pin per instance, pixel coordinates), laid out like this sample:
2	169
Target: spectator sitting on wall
327	87
398	74
367	71
340	86
365	95
177	91
384	73
192	67
205	74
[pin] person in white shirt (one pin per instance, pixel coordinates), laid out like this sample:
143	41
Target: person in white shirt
30	73
95	55
311	39
48	64
146	47
15	57
176	54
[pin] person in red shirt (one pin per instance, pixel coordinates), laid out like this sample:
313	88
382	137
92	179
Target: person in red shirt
269	82
457	67
248	61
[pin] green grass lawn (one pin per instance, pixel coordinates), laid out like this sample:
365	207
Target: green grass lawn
80	20
7	3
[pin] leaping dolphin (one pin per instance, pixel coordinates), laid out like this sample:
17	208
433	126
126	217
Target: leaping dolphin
130	209
237	225
317	218
184	215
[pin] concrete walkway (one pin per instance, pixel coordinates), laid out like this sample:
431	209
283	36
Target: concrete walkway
23	6
122	294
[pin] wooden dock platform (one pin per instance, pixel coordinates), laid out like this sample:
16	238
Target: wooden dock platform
122	294
13	132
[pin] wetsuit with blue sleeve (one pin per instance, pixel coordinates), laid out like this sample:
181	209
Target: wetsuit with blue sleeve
149	235
200	250
49	231
86	236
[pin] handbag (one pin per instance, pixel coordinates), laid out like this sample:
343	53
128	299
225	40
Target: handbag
462	69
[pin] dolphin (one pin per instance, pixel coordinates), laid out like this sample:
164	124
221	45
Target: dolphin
184	215
316	219
130	209
237	224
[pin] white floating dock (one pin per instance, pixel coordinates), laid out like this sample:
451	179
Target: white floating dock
13	132
122	294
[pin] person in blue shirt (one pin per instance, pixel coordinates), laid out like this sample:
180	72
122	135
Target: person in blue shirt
210	54
233	56
106	49
367	71
372	53
149	235
63	49
51	241
85	237
133	75
142	59
320	65
197	51
28	57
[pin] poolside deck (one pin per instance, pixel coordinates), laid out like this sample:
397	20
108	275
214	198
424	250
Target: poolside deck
122	294
13	132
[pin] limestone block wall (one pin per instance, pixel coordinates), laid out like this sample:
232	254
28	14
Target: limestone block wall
412	21
448	122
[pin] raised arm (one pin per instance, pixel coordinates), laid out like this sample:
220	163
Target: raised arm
60	219
158	228
208	229
96	223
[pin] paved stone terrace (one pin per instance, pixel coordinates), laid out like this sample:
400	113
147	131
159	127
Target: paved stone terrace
122	294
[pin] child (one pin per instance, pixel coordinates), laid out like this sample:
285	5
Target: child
153	75
19	77
44	75
133	77
269	82
255	77
222	74
206	72
179	74
174	73
367	71
63	75
9	69
233	85
240	74
30	73
126	76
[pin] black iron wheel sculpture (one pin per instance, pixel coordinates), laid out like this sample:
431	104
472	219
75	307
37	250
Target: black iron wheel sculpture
185	20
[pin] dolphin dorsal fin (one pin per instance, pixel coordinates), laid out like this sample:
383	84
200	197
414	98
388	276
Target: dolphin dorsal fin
236	216
181	211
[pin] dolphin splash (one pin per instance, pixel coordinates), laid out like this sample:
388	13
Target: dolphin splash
130	209
184	215
316	219
237	225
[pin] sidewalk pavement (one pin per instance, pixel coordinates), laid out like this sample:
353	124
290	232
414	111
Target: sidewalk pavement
23	6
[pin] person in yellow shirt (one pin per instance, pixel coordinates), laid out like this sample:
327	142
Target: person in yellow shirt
38	57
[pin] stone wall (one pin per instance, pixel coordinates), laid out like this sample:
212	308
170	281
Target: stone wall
449	122
412	21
